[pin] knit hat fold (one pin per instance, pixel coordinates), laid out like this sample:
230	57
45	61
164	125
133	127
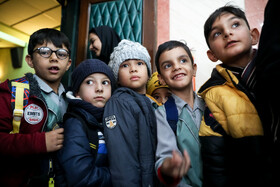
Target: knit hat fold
128	50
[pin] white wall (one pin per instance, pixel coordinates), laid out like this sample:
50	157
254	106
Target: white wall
187	19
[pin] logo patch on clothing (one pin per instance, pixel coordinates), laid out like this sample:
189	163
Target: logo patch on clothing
111	121
33	114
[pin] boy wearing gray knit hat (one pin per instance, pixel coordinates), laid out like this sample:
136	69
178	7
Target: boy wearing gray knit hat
129	50
130	123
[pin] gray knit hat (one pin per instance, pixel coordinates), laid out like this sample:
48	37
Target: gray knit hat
128	50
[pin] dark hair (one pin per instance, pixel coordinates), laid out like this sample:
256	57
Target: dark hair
219	12
48	35
168	46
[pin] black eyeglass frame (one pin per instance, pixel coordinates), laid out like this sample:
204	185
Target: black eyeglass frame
52	51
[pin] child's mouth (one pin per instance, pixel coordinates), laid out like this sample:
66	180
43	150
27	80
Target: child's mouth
231	43
53	69
178	76
134	78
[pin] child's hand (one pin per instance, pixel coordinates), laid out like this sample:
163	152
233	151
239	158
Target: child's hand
177	166
54	139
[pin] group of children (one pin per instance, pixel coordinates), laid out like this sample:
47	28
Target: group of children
125	126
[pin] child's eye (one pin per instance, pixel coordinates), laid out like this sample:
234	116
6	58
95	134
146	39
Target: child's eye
183	60
156	97
167	66
235	25
89	82
124	65
140	63
106	82
216	34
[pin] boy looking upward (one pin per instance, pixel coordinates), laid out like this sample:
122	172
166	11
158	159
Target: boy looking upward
231	132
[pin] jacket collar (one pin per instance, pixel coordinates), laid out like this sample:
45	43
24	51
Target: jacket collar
46	88
223	76
180	103
219	76
87	111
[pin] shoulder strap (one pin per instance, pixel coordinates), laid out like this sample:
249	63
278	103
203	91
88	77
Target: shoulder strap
19	100
171	113
91	133
212	122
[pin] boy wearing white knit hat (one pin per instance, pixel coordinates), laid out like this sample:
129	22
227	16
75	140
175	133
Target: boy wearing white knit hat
130	123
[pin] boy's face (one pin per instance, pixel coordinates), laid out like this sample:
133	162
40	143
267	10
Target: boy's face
95	89
176	69
50	69
161	94
134	75
95	44
230	40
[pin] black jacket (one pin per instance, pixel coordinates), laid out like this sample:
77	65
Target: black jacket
130	135
231	135
80	166
267	98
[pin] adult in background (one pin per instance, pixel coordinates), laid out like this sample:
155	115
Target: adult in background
102	40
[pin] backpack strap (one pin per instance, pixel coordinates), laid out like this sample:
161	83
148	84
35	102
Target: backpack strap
212	122
91	132
171	113
19	100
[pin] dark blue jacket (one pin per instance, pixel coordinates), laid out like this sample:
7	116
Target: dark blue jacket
80	167
130	134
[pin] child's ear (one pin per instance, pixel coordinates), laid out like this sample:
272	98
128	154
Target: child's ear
29	61
194	69
162	82
255	34
211	56
69	64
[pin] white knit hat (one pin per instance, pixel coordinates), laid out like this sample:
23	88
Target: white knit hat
128	50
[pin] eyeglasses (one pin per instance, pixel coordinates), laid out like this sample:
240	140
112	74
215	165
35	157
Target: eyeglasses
46	52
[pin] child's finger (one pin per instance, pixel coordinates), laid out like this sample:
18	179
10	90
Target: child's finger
187	160
185	164
176	159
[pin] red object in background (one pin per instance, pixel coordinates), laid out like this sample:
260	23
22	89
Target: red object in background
193	81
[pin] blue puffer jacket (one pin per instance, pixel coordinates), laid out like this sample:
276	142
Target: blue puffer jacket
79	166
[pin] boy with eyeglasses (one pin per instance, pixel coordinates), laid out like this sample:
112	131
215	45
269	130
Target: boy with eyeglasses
31	107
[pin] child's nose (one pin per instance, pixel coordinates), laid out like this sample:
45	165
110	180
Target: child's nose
176	66
227	33
53	56
133	68
99	87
